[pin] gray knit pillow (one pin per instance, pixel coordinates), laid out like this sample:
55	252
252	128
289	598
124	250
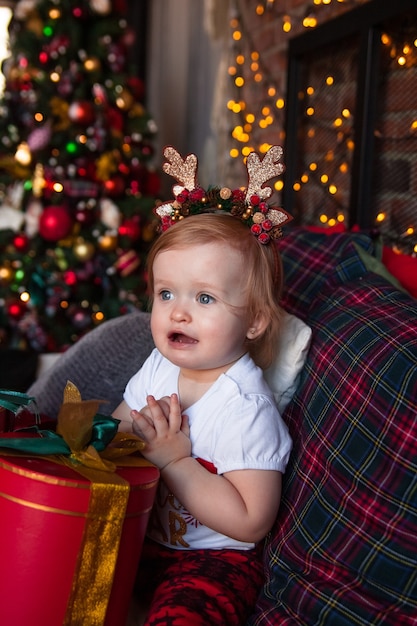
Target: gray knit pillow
100	364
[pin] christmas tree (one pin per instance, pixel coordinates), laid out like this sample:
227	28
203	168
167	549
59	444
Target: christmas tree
76	183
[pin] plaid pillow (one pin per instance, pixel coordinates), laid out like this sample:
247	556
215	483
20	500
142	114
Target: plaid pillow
312	260
343	551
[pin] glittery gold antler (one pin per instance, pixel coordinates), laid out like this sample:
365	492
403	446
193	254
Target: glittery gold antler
260	172
183	170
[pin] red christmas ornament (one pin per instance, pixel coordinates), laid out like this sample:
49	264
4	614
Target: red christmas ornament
70	278
21	242
16	309
115	120
137	87
120	6
79	12
86	169
59	44
147	150
134	187
85	216
127	263
55	223
153	184
123	169
81	112
130	228
138	172
128	38
114	186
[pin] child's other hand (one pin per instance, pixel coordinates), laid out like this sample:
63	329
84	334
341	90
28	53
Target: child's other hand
164	429
164	405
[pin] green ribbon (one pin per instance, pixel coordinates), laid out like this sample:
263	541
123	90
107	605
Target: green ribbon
14	400
48	442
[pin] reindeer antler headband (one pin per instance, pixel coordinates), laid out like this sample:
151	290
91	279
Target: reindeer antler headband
248	205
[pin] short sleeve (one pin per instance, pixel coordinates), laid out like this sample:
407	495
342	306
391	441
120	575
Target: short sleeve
251	435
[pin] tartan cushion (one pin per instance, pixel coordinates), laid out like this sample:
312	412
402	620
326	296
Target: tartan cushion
313	260
343	551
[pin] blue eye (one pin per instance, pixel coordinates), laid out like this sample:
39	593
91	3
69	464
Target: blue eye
204	298
165	295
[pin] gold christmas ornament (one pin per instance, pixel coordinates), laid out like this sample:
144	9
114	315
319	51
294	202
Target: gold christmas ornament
124	100
6	274
59	110
23	154
92	64
38	180
105	166
83	250
106	243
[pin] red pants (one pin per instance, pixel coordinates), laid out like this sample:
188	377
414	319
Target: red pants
199	587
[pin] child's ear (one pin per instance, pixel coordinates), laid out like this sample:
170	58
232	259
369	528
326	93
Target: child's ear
257	326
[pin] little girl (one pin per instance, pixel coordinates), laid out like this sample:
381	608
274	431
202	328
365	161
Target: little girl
201	404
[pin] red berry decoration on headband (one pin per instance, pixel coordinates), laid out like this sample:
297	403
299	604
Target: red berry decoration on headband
197	194
182	196
238	195
264	238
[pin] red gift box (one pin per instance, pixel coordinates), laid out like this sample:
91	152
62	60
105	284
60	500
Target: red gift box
70	545
75	501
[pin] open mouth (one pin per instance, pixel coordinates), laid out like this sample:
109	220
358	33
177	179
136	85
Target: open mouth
181	338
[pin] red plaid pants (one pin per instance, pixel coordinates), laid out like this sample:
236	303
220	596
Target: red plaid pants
198	587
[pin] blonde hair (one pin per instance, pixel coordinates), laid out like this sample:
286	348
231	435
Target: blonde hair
261	265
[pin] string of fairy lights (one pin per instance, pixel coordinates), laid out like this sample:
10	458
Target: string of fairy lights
248	67
259	99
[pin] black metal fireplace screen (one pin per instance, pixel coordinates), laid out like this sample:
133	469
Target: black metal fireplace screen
351	127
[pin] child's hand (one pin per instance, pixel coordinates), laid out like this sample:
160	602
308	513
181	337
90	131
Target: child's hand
164	429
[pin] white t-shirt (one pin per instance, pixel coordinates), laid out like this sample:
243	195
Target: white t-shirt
235	425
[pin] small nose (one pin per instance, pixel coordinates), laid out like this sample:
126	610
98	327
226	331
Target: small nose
179	313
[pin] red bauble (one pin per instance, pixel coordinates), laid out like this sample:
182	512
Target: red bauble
70	278
137	87
85	216
21	242
120	6
153	184
55	223
79	12
114	186
147	150
16	309
115	120
127	262
130	228
81	112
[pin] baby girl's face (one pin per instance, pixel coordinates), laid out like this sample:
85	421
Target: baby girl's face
199	319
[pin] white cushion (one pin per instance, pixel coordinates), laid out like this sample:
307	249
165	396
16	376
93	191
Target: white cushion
284	374
45	361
